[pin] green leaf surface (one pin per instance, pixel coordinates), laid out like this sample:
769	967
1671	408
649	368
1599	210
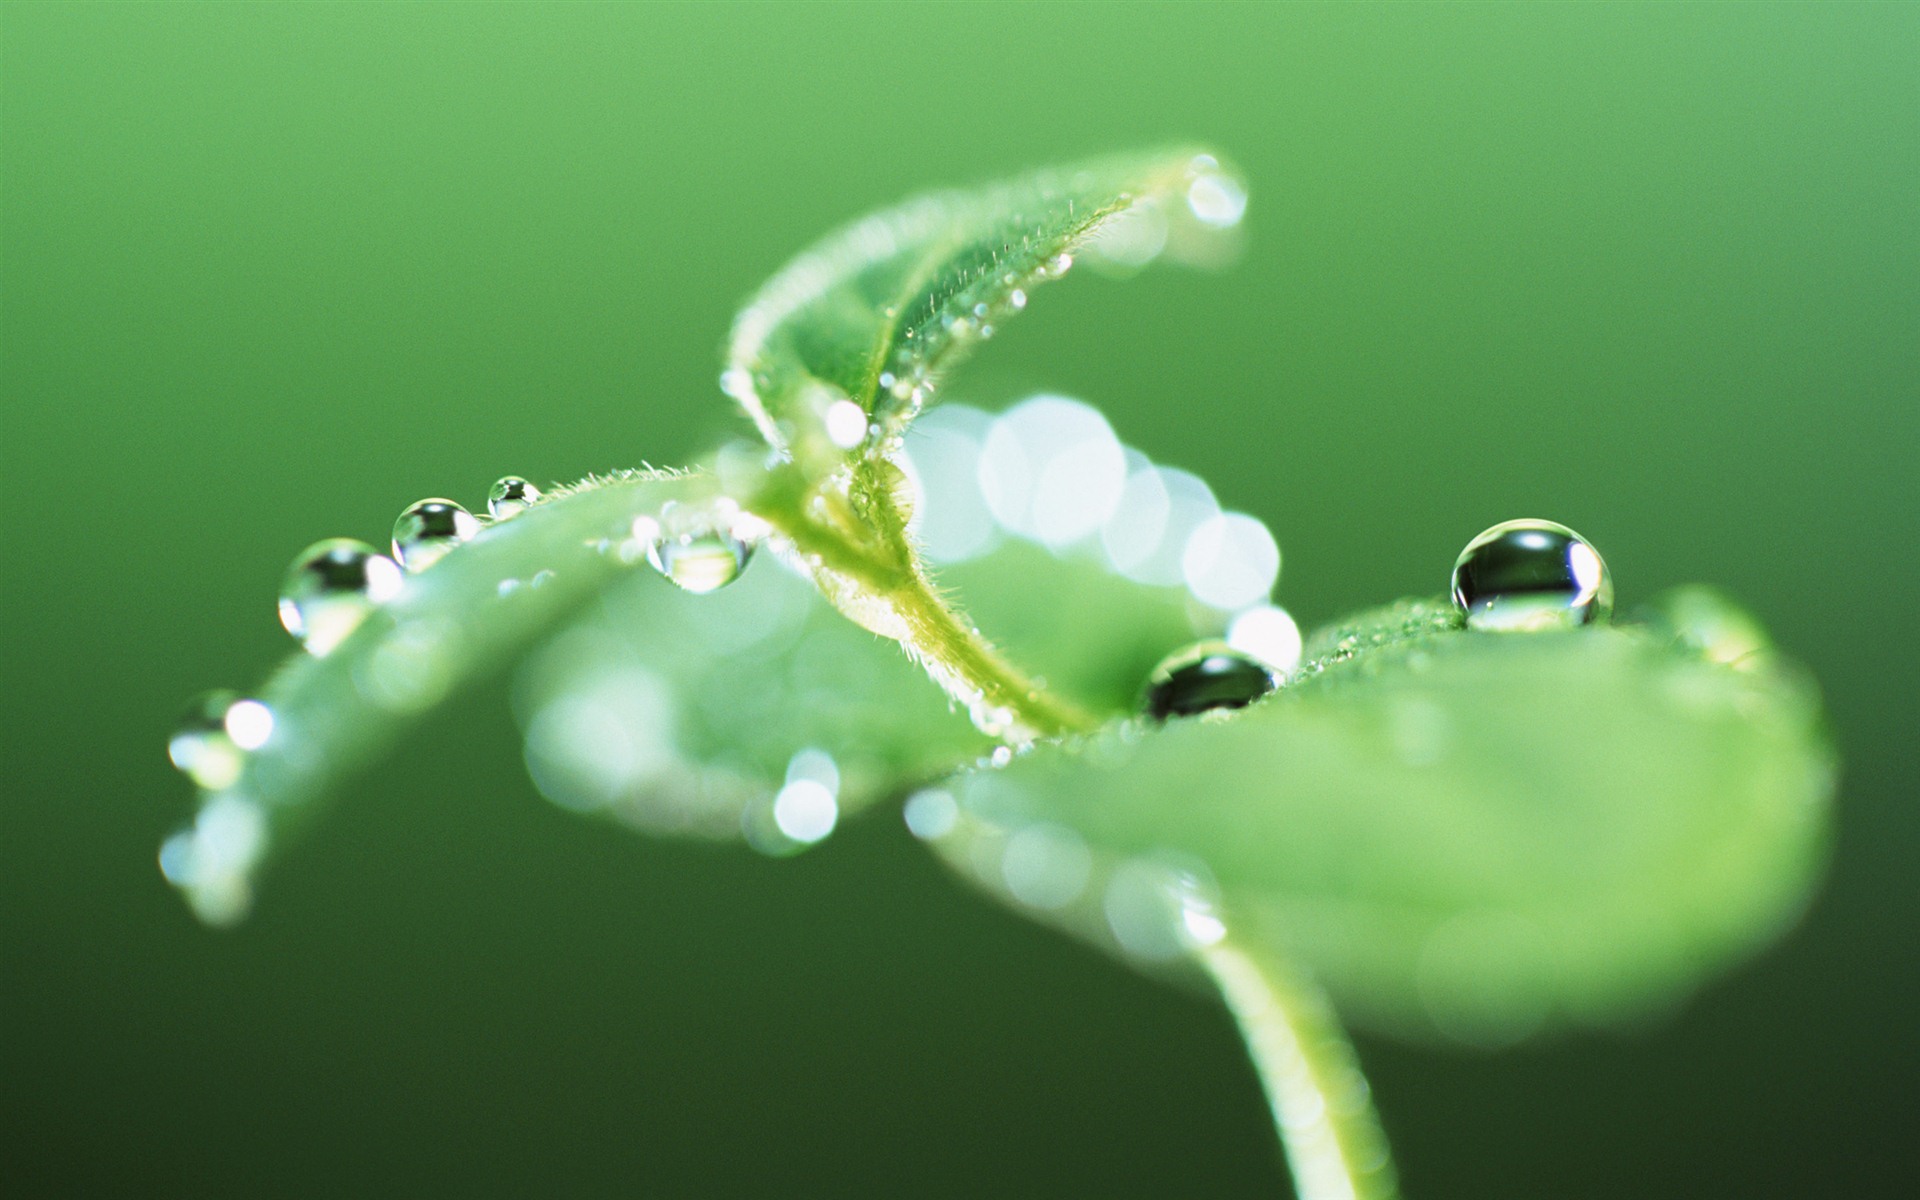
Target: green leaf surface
459	620
673	712
681	713
1463	834
876	312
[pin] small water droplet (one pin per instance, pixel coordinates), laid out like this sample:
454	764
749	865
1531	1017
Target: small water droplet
1269	634
805	811
510	495
427	530
931	814
1217	199
1046	866
699	551
249	723
202	748
331	588
1203	677
846	424
1529	575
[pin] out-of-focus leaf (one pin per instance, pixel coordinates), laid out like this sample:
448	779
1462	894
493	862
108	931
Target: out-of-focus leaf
678	713
1464	834
675	712
875	312
454	622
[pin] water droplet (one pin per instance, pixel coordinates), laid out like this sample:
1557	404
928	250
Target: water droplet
846	424
1529	575
1713	625
332	587
1230	561
931	814
427	530
1270	635
212	860
1216	199
1204	677
1046	866
509	495
805	811
201	746
249	723
697	550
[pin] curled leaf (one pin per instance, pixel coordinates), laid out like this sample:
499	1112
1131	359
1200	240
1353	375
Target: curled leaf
860	328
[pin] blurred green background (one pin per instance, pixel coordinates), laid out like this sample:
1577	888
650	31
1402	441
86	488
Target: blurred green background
269	273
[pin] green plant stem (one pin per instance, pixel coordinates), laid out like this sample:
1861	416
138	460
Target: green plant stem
1322	1106
883	568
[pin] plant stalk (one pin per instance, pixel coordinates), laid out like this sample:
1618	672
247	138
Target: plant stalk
1322	1106
1004	701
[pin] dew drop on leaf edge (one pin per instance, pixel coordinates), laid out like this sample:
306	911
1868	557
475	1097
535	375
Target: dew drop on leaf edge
1204	677
510	495
428	529
211	742
330	589
1530	574
200	747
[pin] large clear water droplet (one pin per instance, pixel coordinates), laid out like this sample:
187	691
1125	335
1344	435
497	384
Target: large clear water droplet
428	529
510	495
1206	676
330	589
1530	575
211	742
698	548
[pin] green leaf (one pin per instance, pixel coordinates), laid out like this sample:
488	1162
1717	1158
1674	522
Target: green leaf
684	714
459	620
1465	834
877	312
672	712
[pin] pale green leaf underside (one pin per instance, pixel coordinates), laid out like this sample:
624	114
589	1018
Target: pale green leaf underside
876	311
1470	834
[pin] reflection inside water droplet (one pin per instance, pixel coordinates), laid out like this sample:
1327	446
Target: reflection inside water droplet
696	547
700	563
511	495
1206	677
428	529
1531	575
201	746
330	589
